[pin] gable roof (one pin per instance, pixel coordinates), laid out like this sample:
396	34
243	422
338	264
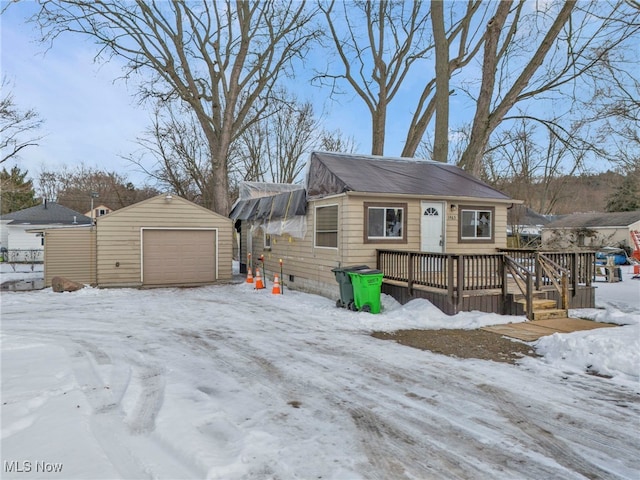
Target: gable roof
521	215
333	173
595	220
47	213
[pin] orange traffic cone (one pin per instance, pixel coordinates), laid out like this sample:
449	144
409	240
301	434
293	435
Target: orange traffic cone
259	283
276	285
249	275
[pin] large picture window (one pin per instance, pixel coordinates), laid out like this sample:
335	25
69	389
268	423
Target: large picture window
385	222
326	232
476	224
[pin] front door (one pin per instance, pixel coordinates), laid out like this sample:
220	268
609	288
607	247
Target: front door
432	227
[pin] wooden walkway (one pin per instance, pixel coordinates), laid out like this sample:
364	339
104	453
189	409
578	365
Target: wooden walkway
530	331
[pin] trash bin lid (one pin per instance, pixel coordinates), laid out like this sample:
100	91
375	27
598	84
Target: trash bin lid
349	268
369	271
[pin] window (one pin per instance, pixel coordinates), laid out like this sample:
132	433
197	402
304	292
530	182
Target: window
385	222
476	224
267	241
326	234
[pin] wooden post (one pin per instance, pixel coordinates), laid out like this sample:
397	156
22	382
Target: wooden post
537	270
410	273
565	291
450	279
575	263
530	294
460	281
505	283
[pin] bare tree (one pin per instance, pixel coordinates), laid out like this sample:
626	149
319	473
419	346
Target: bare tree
180	160
377	56
531	54
17	127
275	149
435	96
534	166
572	47
219	58
73	188
337	141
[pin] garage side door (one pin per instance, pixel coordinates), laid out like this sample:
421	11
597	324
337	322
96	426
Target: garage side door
178	257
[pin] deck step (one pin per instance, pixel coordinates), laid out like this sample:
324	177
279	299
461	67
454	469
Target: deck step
547	314
539	304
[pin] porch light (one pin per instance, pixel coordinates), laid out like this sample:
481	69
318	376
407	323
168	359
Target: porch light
453	206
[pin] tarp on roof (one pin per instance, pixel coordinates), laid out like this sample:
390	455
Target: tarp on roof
247	190
334	173
281	205
277	213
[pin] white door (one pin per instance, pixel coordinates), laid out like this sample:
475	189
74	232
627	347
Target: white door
432	227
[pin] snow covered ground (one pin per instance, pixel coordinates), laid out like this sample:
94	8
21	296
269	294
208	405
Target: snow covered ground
225	382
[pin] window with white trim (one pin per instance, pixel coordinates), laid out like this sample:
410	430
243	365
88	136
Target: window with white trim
384	222
326	226
476	224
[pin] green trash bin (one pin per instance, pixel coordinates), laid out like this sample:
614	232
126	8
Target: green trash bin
367	285
344	282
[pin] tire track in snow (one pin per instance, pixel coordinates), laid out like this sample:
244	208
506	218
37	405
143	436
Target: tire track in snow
142	418
544	441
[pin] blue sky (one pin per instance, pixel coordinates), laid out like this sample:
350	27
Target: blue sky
92	118
88	117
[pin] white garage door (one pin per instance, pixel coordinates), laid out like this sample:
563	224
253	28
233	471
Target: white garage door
178	257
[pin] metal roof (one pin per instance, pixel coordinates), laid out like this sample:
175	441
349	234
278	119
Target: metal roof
45	214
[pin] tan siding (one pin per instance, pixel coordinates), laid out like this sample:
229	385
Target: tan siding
499	234
70	253
311	267
119	235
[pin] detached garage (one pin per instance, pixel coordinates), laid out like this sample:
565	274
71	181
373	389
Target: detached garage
162	241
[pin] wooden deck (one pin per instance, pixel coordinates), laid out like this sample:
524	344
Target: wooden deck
495	283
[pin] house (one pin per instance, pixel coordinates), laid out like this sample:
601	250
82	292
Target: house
353	205
19	230
98	211
162	241
524	226
592	231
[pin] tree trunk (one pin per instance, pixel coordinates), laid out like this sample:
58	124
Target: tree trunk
485	120
441	133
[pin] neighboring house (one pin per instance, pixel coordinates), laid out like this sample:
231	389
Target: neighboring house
353	205
524	226
19	230
162	241
98	211
592	230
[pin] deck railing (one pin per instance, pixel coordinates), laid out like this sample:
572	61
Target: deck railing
470	273
454	273
579	264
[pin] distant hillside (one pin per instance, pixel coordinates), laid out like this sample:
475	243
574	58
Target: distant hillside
584	193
